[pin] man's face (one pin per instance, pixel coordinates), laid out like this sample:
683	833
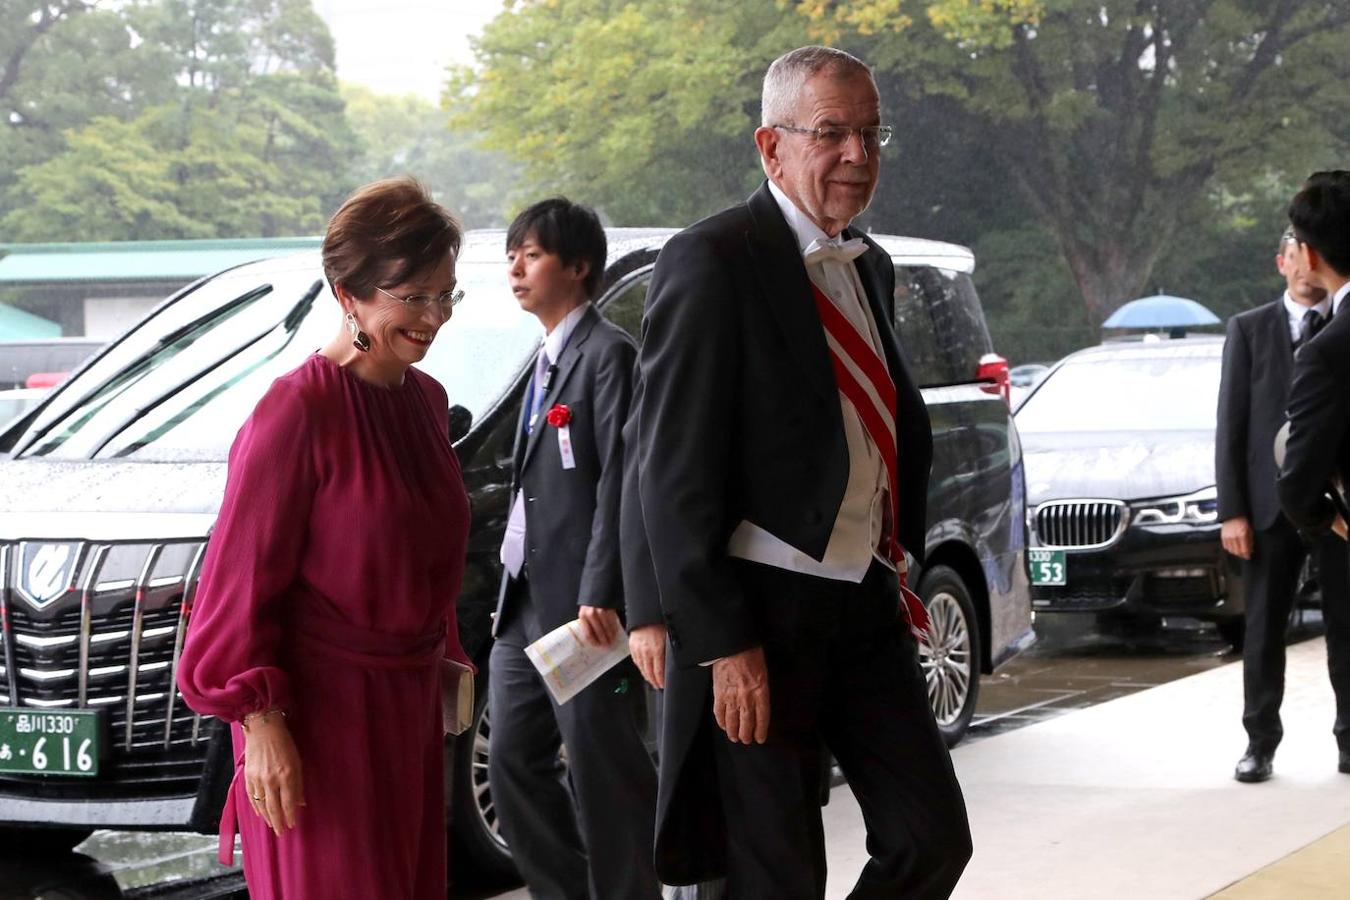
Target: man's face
831	185
543	284
1293	265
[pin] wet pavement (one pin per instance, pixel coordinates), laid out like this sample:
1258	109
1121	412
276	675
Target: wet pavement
1072	666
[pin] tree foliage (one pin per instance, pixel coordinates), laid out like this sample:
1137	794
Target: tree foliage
409	135
1086	150
63	64
1116	122
221	118
638	108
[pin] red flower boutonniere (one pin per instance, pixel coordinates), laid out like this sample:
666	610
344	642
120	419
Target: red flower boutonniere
559	416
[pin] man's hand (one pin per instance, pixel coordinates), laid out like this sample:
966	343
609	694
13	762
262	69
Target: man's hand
1236	535
648	646
272	772
741	696
599	626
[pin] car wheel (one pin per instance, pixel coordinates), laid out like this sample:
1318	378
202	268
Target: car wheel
478	849
948	655
1233	630
16	842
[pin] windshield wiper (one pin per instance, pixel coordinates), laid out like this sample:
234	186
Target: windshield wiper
138	365
290	323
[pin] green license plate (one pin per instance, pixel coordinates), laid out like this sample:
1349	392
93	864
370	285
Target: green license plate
42	742
1047	567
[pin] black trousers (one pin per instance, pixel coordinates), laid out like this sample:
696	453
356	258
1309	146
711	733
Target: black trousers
1271	576
583	832
843	674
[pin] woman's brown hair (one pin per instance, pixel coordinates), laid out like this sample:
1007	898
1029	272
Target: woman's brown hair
385	233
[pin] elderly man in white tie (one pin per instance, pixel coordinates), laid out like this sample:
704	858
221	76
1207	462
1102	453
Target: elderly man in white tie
783	454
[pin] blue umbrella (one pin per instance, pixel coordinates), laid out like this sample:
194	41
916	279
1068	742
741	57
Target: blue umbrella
1161	311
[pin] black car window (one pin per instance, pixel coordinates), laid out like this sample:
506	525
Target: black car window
940	324
915	328
625	303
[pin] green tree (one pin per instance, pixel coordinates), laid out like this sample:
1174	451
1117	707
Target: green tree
1118	122
110	183
1088	151
642	109
62	64
238	128
409	135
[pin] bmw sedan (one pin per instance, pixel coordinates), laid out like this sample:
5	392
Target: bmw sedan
1122	508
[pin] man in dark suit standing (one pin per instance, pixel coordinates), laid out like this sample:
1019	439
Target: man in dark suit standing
561	560
1258	359
783	462
1317	453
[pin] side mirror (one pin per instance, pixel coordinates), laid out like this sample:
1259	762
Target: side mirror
461	420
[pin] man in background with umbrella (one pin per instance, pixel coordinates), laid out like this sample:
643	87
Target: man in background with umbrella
1258	360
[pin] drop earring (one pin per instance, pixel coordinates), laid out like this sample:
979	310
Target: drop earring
360	340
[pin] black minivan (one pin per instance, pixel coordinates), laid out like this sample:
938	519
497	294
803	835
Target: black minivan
109	488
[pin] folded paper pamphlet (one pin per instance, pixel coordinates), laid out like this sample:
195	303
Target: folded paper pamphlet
568	664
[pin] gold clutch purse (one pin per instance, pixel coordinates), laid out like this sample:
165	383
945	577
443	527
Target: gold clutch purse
456	696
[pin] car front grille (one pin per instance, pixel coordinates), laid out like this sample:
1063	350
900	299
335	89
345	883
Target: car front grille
1079	523
100	625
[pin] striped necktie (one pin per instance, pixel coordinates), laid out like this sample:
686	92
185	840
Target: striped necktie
862	377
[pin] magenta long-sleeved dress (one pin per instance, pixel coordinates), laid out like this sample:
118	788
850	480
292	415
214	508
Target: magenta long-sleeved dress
328	590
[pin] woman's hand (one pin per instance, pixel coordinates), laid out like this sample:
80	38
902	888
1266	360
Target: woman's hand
272	770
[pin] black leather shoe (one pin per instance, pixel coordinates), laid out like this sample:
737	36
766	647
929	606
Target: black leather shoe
1256	766
1344	764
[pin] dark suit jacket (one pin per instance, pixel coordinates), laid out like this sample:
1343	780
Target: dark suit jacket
1258	360
572	515
642	597
1319	424
740	419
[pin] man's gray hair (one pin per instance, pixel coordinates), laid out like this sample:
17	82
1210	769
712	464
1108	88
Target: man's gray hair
788	73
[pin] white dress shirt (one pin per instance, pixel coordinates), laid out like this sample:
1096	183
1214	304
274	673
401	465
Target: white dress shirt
856	538
1295	312
1340	295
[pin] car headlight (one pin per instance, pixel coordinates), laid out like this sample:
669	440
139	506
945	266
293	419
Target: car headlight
1199	508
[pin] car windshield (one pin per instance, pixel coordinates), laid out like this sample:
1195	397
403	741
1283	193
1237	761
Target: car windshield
179	386
1177	390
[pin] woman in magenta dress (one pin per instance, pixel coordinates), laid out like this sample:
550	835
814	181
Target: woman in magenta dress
326	604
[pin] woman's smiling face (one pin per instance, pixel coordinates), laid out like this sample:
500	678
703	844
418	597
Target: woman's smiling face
399	334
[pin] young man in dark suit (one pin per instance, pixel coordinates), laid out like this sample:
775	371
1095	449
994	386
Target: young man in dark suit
1317	452
1258	360
783	455
561	561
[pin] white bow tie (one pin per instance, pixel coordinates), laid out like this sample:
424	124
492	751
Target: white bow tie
822	249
